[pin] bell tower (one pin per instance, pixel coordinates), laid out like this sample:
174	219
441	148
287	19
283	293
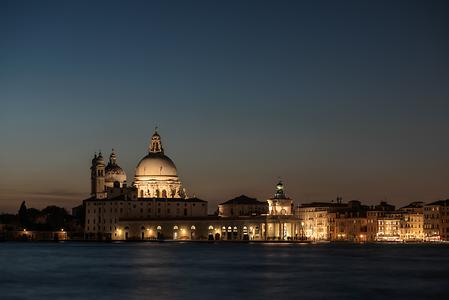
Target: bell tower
97	177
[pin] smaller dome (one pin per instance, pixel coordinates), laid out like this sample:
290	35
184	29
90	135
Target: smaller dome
113	172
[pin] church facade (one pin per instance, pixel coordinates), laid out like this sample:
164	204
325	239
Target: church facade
156	206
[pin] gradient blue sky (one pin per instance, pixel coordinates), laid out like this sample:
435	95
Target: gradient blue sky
345	98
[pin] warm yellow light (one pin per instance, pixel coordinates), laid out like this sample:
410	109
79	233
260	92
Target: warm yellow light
62	229
24	229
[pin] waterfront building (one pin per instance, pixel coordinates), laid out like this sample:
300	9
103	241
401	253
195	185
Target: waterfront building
389	227
436	221
318	219
156	206
373	215
156	193
350	222
280	204
247	223
242	206
412	222
403	225
314	220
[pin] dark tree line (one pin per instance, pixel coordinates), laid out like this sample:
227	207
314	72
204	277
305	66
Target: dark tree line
51	218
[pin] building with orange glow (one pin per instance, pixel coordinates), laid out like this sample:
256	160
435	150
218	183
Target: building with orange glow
157	206
436	221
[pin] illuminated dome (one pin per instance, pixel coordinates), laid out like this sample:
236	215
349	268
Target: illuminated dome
114	174
156	174
156	164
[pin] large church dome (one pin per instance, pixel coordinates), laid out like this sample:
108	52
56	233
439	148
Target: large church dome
156	164
156	174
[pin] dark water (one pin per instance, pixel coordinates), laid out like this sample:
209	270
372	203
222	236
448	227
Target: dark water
222	271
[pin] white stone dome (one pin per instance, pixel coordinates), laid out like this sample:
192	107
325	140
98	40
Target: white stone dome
156	164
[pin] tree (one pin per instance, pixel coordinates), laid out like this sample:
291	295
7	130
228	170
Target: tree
23	215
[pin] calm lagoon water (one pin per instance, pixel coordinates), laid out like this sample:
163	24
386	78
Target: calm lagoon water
71	270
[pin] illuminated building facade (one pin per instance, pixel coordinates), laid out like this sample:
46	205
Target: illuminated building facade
242	206
280	204
156	193
156	206
412	222
436	221
389	228
373	215
314	218
350	222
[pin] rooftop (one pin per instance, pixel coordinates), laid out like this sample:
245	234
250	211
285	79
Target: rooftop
242	199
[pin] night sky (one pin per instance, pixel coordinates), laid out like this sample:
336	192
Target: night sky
347	98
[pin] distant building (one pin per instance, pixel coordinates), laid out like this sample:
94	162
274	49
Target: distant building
156	206
280	204
389	227
156	193
436	221
412	222
317	220
242	206
373	215
350	222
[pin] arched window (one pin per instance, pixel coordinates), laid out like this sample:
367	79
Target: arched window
193	227
175	227
159	228
211	227
164	194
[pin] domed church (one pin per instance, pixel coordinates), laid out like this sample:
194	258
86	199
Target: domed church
156	174
156	206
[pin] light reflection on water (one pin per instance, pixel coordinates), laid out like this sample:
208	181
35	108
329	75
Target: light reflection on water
222	271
